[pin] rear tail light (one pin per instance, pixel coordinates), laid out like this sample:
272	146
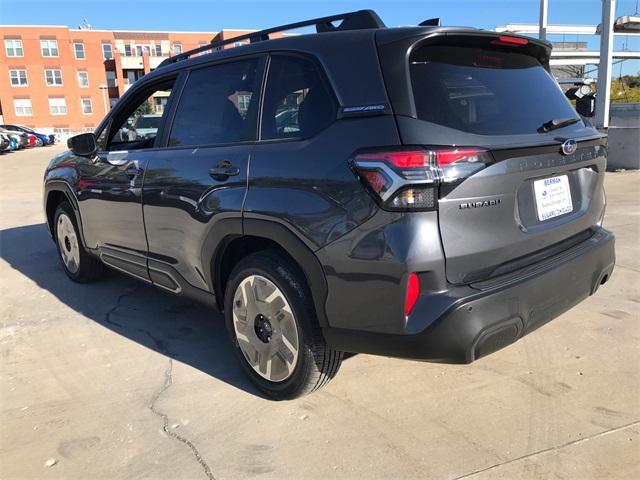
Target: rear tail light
408	178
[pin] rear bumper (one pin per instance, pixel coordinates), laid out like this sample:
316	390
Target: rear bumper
482	319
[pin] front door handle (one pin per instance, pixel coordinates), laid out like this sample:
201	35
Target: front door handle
224	170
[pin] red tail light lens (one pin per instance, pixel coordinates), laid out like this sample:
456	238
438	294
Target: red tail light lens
511	41
413	292
408	178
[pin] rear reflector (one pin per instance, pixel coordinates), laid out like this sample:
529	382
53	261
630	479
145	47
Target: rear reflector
512	41
413	292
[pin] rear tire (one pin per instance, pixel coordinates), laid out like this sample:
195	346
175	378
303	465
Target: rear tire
273	327
78	264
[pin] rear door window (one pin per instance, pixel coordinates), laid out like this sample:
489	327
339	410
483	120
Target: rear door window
298	102
485	91
219	104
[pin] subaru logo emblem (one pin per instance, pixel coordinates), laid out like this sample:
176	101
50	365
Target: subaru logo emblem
569	146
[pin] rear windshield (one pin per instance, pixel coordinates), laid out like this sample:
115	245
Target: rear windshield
486	92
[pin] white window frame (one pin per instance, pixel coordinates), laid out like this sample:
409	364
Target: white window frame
157	50
79	81
75	51
18	70
82	100
131	50
176	51
58	107
104	55
11	43
22	107
53	76
46	44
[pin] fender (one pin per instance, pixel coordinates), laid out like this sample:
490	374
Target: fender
63	186
230	229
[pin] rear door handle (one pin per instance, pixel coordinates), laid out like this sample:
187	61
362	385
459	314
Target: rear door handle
224	170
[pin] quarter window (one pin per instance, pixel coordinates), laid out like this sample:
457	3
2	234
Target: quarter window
18	78
78	49
13	48
22	107
83	79
210	110
49	48
298	102
107	52
53	77
57	106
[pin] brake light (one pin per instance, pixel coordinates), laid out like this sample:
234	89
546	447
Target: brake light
407	178
511	41
413	292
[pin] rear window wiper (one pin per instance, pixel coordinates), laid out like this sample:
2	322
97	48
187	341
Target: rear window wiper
557	123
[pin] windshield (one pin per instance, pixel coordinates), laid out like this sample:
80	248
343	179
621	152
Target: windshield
484	91
148	122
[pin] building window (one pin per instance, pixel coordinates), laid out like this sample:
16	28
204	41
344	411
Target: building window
83	79
127	50
13	48
243	102
53	77
57	106
18	78
177	48
111	78
22	107
158	50
87	108
107	52
78	49
49	48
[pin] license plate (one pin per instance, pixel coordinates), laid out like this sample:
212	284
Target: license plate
553	197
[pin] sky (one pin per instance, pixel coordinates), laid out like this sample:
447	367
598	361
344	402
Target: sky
214	15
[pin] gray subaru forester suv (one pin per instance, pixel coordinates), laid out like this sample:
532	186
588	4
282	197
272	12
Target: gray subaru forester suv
422	192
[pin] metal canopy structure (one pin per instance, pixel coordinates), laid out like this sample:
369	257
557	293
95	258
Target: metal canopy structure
609	26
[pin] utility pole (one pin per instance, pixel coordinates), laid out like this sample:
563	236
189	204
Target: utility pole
603	96
542	32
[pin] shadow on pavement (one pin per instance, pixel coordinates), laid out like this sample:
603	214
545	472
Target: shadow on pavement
174	326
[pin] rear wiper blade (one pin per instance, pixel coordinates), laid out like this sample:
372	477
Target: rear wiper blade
557	123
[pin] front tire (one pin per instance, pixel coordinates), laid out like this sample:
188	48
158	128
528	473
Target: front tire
77	263
273	328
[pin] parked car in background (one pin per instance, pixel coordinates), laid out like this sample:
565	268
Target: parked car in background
5	143
46	139
435	196
21	138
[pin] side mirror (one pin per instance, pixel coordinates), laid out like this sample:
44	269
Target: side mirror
83	145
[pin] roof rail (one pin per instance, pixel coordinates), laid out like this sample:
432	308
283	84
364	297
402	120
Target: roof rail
358	20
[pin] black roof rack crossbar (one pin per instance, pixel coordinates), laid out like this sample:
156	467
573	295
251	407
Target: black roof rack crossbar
358	20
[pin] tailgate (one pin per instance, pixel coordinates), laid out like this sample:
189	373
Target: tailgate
494	223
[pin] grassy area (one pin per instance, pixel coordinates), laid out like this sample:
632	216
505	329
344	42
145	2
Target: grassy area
625	89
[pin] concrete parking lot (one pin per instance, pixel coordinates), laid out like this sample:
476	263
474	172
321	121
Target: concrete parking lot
119	380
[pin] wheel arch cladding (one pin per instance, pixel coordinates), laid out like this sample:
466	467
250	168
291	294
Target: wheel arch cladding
226	250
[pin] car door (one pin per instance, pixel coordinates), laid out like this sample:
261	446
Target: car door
195	186
110	185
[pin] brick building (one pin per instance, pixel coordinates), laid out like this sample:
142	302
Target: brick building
65	80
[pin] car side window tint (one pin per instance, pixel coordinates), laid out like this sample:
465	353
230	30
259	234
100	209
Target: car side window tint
298	103
219	104
137	126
